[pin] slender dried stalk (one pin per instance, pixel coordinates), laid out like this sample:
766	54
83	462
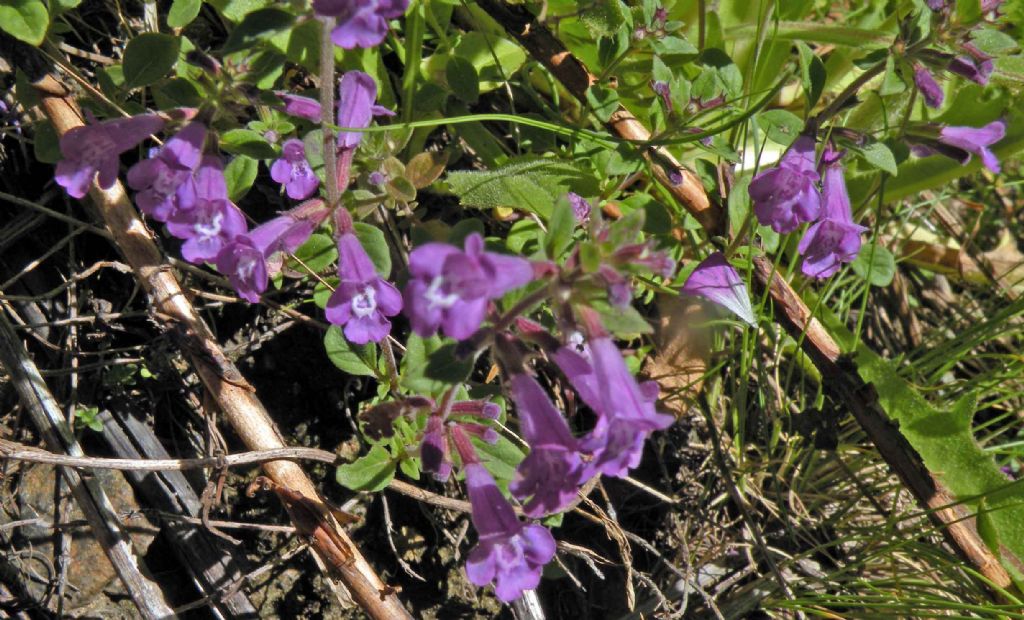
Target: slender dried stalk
791	312
236	398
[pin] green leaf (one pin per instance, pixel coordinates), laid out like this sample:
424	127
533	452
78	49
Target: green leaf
376	246
463	79
370	472
240	174
501	459
622	321
25	20
560	228
968	11
257	26
812	73
531	184
47	143
235	10
149	57
495	58
781	126
603	101
879	156
430	365
247	142
358	360
317	253
182	12
875	264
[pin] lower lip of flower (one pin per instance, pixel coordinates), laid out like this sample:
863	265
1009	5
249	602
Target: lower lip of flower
365	303
436	298
210	228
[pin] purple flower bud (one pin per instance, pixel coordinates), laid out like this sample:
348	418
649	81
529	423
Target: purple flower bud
976	140
363	299
552	473
482	408
715	279
509	553
834	239
356	108
95	147
164	181
377	178
930	89
451	288
301	107
936	5
663	90
434	454
974	70
293	171
787	195
362	23
625	410
580	207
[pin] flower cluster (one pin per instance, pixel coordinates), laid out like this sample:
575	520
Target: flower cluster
788	195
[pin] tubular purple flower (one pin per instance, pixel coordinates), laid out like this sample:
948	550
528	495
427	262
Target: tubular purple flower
363	299
360	23
625	409
580	207
164	181
207	228
357	95
552	472
450	288
976	140
930	89
244	260
301	107
834	239
213	222
95	148
715	279
509	553
787	195
293	171
974	70
434	454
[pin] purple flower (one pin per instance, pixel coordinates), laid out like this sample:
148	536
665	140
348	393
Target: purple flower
164	181
580	207
625	409
936	5
977	71
510	553
244	260
714	279
975	140
301	107
357	95
360	23
95	147
293	171
363	299
834	239
552	473
787	195
206	228
213	222
450	288
930	89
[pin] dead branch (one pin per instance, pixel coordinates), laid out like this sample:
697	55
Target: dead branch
790	310
241	407
49	420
